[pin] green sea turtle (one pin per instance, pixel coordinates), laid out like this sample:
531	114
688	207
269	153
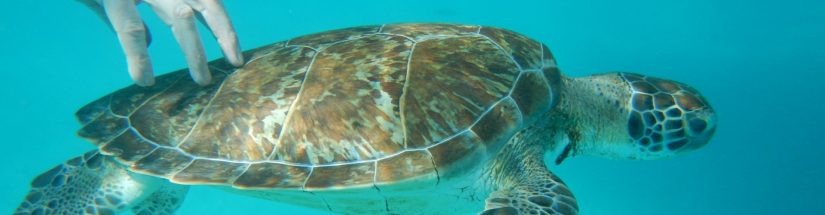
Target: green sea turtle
389	119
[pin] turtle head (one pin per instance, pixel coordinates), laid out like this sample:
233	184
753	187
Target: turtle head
631	116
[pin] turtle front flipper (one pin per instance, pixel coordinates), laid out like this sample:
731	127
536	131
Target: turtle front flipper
527	187
95	184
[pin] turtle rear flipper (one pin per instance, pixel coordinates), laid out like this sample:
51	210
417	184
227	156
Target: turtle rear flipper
96	184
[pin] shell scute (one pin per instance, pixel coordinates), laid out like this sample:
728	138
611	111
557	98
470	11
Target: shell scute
103	128
525	51
458	155
341	176
202	171
348	107
269	175
231	128
162	162
125	101
498	124
451	83
410	165
166	119
530	93
128	147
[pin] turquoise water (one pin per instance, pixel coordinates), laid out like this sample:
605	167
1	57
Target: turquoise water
760	63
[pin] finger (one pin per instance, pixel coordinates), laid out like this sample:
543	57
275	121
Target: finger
180	18
215	17
131	33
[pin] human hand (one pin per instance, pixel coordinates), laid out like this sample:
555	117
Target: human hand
134	36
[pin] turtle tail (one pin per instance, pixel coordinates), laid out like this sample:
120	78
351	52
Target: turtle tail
96	184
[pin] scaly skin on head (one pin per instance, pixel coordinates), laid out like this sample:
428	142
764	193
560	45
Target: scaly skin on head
630	116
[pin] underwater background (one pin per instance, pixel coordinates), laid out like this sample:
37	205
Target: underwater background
761	64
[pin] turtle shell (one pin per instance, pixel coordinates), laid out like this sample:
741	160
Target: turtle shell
360	106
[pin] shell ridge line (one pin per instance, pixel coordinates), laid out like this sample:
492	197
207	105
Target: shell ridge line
97	116
292	106
304	185
139	135
129	117
270	53
104	144
402	104
470	131
152	97
203	112
175	173
435	167
311	167
394	35
502	50
300	46
510	95
133	167
112	112
541	52
231	181
375	176
381	28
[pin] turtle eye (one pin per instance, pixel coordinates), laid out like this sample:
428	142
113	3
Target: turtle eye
667	116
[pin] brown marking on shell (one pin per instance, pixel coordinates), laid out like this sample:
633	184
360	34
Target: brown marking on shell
662	101
499	124
458	155
664	85
272	175
410	165
103	128
161	162
170	116
645	87
642	102
128	147
689	101
348	175
209	171
422	31
451	83
127	100
525	51
532	94
348	109
320	40
245	117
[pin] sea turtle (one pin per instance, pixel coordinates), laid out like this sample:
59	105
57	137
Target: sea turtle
385	119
